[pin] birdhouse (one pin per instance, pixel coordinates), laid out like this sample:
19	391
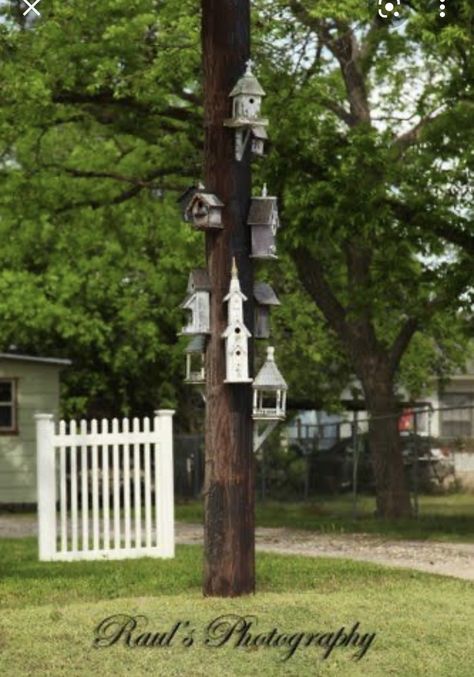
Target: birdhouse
259	137
236	335
195	358
197	303
264	220
265	298
204	211
246	109
269	391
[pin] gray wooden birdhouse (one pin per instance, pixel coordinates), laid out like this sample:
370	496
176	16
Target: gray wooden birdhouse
197	303
204	210
265	298
269	391
264	220
246	110
259	137
236	335
195	360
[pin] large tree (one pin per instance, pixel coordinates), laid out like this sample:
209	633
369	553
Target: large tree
373	160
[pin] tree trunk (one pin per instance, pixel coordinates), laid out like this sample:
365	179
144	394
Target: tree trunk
393	498
229	523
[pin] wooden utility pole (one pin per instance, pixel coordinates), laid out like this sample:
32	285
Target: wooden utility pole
229	524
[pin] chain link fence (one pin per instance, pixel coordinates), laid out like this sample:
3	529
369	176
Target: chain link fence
305	461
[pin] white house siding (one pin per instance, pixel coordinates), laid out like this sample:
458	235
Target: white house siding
37	391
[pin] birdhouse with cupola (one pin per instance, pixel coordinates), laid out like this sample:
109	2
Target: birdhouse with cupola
264	221
246	114
195	360
269	391
197	303
265	298
204	211
236	334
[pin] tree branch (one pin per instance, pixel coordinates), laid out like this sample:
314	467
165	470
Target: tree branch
401	343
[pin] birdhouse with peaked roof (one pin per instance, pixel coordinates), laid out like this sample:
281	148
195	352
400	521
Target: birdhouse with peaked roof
236	334
246	117
197	303
265	298
204	210
264	221
269	391
259	137
195	360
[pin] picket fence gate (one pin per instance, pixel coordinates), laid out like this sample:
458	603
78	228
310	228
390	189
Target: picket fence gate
105	493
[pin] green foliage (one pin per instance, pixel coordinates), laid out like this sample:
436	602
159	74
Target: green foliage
100	128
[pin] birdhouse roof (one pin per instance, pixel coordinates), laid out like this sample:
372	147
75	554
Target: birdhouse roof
259	132
264	294
269	377
209	198
248	85
261	211
187	195
199	280
197	344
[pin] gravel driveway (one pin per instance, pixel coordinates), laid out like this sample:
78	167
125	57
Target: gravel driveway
450	559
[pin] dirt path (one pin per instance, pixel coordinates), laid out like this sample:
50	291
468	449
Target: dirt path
450	559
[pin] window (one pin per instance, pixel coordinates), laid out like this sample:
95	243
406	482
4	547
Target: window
7	405
458	421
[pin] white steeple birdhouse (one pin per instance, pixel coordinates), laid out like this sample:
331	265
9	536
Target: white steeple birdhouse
236	335
195	358
269	391
197	303
264	220
265	298
246	108
204	210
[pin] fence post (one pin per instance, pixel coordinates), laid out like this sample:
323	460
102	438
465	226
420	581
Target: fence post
165	488
355	463
46	486
417	467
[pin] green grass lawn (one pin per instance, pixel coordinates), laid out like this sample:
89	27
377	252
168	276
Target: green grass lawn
442	518
49	612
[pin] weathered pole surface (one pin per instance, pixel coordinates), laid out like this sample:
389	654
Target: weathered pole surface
229	523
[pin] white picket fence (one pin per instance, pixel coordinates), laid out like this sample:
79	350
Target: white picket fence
105	493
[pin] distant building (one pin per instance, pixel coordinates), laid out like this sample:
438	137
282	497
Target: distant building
28	385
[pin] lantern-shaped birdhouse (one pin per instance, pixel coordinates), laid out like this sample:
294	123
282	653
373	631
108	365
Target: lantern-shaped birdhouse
246	110
197	303
265	298
195	358
269	394
236	335
204	211
264	220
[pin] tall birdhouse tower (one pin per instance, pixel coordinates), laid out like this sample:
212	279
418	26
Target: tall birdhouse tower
236	335
246	109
